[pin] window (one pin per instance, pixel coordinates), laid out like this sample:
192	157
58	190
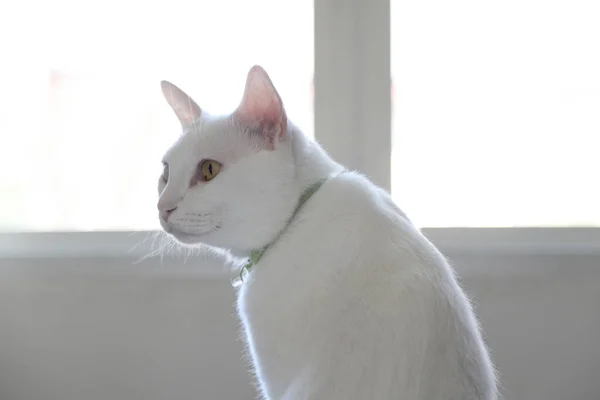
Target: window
494	104
83	122
496	112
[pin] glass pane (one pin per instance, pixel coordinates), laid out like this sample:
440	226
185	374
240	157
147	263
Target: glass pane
84	124
496	114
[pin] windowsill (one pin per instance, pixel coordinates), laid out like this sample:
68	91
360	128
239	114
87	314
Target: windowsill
451	241
473	252
516	241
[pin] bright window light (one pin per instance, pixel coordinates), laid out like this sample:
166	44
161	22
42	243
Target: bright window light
83	123
496	112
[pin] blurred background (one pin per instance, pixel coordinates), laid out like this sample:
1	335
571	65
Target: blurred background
487	133
496	106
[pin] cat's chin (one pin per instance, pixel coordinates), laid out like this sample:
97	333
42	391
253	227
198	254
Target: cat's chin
186	238
198	240
182	237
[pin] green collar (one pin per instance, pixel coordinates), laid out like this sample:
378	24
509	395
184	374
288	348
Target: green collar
255	255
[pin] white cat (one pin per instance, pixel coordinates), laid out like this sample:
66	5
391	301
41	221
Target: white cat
349	300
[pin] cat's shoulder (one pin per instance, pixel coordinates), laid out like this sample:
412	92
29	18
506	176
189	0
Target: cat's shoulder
353	189
349	185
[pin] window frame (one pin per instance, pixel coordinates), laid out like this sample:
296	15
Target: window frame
136	245
352	117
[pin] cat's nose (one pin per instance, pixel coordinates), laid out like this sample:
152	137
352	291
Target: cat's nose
165	209
164	214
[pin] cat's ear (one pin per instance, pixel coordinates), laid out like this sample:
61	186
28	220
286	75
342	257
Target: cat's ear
184	106
261	108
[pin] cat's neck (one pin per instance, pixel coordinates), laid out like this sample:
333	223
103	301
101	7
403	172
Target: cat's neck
311	162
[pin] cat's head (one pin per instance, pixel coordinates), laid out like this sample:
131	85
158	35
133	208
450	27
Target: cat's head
228	180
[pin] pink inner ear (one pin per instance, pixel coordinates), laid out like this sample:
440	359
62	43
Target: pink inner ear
261	102
184	106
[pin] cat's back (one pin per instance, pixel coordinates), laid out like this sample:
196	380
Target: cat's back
369	301
404	292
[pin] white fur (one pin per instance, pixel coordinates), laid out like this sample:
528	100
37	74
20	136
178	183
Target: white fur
351	301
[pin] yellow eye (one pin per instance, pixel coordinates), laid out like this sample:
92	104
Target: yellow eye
209	169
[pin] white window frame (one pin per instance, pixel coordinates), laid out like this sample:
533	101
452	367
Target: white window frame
353	123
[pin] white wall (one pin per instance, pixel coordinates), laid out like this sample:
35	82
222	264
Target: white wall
101	328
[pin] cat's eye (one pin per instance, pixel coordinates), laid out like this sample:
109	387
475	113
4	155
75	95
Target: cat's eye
209	169
165	173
